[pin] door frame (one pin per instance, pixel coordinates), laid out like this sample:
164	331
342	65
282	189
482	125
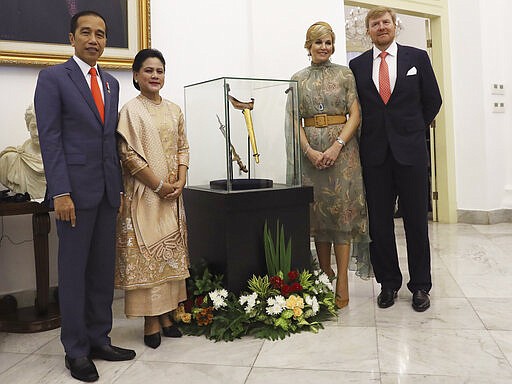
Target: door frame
437	12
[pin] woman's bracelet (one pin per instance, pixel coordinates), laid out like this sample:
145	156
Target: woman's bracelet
160	185
307	149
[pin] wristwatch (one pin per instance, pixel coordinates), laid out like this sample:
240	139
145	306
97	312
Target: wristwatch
339	140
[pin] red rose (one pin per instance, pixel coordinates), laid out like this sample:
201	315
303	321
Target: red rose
188	305
296	287
199	301
276	282
286	290
293	275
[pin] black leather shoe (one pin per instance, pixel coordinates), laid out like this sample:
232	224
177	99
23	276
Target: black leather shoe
420	301
153	341
172	331
82	369
111	353
386	297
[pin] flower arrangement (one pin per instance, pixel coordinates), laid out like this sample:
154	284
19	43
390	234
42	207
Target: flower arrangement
272	307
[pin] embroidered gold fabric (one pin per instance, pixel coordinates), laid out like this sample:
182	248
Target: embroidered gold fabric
151	232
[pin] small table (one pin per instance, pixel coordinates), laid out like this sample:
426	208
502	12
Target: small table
43	315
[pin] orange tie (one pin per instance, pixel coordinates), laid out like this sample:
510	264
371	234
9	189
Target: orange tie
384	85
96	94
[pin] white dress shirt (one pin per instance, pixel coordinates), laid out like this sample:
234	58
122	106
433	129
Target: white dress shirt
85	70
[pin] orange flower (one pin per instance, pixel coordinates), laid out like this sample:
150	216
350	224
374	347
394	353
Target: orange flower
205	316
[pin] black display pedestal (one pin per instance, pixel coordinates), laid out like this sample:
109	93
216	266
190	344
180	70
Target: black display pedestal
226	229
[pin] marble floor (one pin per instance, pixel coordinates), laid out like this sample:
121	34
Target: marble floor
465	337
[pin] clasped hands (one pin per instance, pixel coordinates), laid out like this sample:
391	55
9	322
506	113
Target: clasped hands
324	160
171	191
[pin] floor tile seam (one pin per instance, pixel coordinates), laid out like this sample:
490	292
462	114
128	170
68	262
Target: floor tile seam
195	363
430	374
42	345
477	314
121	373
501	350
313	369
27	355
437	329
258	353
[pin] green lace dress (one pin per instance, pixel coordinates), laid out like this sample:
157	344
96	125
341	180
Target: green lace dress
338	213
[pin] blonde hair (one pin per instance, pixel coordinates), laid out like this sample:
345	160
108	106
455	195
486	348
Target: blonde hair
377	12
317	30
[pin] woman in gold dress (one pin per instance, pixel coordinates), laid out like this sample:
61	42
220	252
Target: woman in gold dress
152	253
329	109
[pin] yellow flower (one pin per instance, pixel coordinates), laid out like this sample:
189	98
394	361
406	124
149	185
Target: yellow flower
297	312
180	310
294	302
186	317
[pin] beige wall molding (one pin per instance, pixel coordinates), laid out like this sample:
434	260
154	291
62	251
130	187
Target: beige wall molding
484	217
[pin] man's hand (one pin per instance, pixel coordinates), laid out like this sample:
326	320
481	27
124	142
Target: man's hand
65	209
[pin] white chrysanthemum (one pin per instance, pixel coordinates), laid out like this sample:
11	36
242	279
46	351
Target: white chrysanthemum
218	297
276	305
315	307
324	279
250	300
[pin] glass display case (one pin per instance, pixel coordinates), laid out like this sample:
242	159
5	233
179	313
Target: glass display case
243	134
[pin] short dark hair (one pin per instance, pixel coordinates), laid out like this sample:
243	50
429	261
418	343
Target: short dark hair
74	20
141	57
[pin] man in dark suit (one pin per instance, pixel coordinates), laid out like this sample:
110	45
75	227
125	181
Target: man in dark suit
78	146
399	98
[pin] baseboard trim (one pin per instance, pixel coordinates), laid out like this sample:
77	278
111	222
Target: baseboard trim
484	217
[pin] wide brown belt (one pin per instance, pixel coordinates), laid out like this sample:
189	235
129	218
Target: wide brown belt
323	120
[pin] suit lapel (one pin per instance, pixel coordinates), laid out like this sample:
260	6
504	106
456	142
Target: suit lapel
402	65
78	79
368	62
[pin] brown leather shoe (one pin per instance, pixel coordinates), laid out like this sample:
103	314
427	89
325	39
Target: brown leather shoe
82	368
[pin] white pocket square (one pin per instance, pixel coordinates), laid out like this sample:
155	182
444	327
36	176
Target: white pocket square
411	71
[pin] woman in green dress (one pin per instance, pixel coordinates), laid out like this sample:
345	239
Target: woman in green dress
330	116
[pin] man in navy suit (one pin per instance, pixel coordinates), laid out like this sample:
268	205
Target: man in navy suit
78	146
399	99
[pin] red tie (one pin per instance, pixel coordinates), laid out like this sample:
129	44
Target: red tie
384	85
96	94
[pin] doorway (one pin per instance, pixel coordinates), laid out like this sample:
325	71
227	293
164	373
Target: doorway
411	30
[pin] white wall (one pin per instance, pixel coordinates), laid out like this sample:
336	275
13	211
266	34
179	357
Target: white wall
480	58
200	40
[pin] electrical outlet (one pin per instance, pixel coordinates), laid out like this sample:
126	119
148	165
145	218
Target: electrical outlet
498	107
497	89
